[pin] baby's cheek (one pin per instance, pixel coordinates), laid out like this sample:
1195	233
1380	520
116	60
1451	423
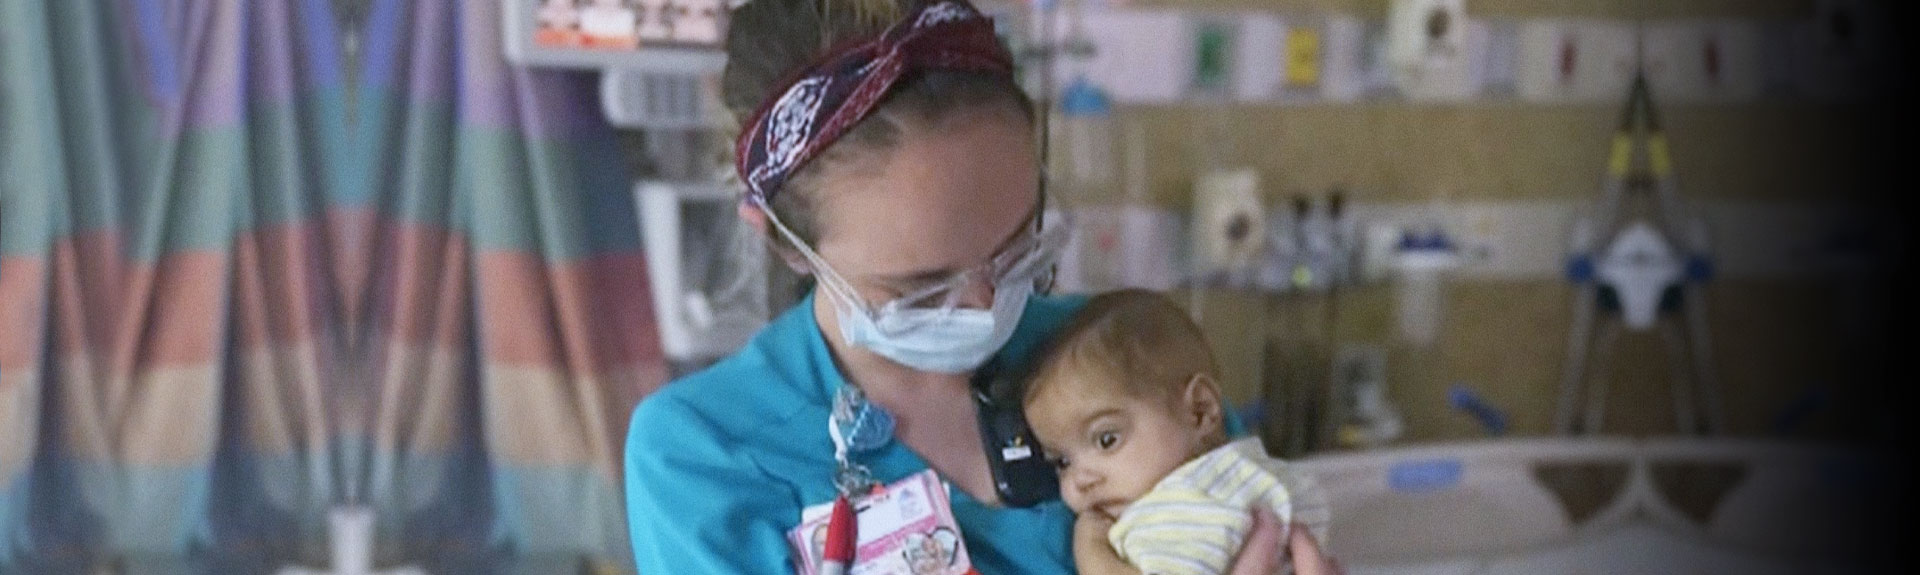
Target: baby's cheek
1133	490
1072	497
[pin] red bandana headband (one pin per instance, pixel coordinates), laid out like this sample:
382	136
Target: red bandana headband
834	95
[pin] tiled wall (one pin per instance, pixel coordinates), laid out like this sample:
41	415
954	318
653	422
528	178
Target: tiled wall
1507	339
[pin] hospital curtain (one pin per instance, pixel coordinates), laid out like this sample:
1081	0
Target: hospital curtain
244	277
509	328
167	335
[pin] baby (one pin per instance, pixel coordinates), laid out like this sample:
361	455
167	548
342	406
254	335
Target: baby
1124	402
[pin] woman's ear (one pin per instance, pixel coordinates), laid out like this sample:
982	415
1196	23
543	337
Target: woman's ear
757	218
752	215
1201	400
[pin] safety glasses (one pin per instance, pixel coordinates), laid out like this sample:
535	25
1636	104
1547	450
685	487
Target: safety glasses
1029	257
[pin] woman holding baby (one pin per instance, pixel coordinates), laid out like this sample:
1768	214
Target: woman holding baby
887	151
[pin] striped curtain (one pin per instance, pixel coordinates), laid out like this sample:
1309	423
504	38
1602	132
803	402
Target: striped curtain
244	279
168	336
509	329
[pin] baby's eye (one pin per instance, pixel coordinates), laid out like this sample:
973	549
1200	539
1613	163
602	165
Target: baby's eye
1107	440
1059	463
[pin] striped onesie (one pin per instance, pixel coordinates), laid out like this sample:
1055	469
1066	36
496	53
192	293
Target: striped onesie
1195	519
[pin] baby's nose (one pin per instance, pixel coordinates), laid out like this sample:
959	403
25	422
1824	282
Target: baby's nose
1085	481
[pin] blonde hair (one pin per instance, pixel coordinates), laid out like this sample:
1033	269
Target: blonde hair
1137	338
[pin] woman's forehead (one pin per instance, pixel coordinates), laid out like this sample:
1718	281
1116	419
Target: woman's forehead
949	197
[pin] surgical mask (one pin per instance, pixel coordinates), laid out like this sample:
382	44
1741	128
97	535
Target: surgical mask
926	329
939	340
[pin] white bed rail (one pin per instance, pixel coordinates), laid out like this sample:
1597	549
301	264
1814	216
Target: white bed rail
1485	499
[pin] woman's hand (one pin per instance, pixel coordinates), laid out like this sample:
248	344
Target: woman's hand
1261	555
1092	553
1307	557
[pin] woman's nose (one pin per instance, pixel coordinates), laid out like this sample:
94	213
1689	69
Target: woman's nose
978	292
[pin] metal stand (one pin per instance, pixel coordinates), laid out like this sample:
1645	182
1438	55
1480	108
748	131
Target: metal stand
1635	282
350	536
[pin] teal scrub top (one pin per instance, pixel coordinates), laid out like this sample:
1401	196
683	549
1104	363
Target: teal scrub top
720	463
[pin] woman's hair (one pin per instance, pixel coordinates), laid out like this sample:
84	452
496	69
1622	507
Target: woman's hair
770	41
1137	338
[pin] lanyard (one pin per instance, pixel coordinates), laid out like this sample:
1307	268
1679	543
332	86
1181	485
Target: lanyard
869	428
856	426
849	478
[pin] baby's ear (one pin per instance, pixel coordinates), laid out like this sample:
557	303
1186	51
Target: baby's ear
1202	402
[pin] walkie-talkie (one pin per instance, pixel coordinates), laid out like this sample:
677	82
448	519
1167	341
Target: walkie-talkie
1021	474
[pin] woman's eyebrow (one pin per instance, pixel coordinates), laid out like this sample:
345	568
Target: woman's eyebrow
923	276
917	278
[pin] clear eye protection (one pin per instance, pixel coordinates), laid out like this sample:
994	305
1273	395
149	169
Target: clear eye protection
1030	257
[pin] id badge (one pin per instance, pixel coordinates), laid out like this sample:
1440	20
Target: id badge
905	528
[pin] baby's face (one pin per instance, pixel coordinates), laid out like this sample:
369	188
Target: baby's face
1109	446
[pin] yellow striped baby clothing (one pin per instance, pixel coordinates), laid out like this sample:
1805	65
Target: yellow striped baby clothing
1195	519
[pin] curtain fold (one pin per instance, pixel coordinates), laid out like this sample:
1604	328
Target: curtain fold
163	248
511	331
245	278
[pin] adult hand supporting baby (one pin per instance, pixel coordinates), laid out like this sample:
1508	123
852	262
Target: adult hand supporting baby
1092	555
1307	557
1261	553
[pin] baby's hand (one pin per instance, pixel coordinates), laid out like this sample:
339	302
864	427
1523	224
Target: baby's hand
1090	529
1092	554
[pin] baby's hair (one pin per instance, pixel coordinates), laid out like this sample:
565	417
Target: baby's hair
1134	336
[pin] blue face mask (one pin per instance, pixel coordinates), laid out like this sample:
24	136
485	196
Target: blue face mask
928	331
951	340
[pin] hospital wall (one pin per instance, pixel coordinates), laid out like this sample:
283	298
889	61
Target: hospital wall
1507	339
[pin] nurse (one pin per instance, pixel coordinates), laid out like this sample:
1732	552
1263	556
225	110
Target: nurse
888	152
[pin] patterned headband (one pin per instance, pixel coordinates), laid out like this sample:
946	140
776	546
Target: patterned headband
831	97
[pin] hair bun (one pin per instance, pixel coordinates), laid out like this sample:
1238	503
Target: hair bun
770	40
